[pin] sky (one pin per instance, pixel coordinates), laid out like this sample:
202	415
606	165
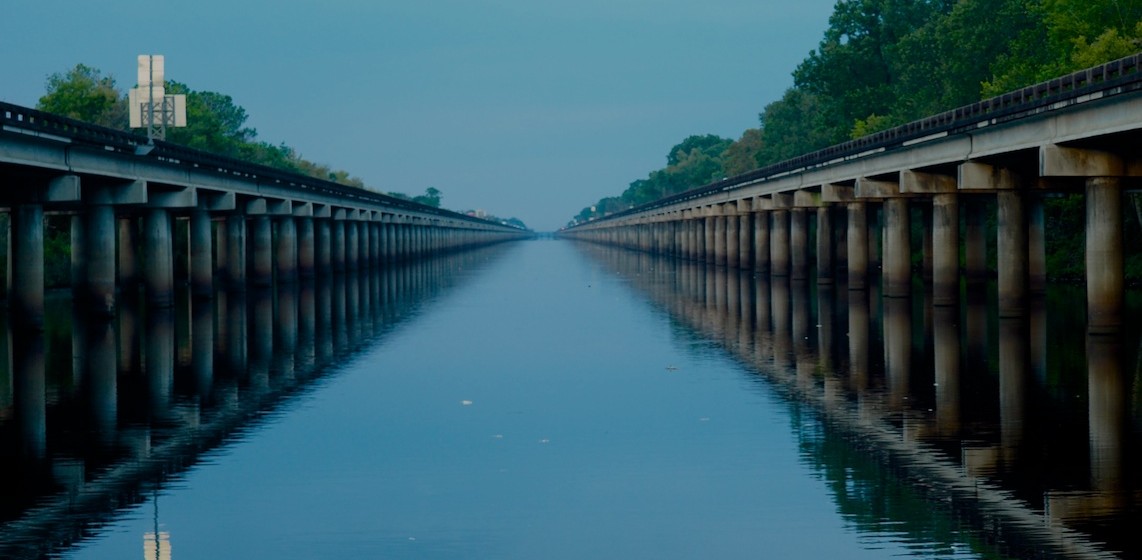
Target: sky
524	108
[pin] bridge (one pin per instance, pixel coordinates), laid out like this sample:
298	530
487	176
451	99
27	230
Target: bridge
246	225
1074	134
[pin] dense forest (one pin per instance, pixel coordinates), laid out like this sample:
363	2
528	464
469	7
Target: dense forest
883	63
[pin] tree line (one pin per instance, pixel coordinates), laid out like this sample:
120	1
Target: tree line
883	63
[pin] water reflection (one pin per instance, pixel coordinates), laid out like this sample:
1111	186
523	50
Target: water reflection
946	428
135	401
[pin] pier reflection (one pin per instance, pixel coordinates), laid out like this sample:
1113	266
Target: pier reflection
934	424
98	414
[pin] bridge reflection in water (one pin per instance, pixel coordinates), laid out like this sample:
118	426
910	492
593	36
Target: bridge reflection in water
934	421
97	416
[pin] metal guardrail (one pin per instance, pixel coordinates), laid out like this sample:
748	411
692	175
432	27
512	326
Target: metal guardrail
16	118
1112	78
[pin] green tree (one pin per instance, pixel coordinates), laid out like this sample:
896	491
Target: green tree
85	94
214	123
742	156
431	197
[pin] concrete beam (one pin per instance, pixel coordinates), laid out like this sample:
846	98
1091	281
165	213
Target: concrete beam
303	209
872	188
831	192
976	176
183	198
217	201
805	198
1063	161
65	188
279	207
255	207
761	203
322	211
129	192
917	182
781	201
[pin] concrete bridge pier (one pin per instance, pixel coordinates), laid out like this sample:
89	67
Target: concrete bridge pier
975	241
286	250
26	265
745	235
338	245
352	245
306	247
158	253
945	249
128	252
824	245
761	248
798	248
857	244
1036	246
261	245
1011	254
1105	264
236	251
201	254
733	241
98	249
374	244
779	242
897	268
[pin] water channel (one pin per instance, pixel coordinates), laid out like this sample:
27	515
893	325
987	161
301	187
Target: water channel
553	399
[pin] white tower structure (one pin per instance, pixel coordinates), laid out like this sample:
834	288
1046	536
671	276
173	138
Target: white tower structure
150	106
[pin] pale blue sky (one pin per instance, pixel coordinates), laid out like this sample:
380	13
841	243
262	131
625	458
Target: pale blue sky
520	107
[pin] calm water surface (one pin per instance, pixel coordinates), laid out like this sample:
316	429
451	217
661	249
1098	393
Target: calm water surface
553	400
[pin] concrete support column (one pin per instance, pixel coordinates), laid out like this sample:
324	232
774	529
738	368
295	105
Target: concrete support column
824	245
158	254
323	247
975	243
306	248
897	248
926	244
201	254
374	244
857	240
1036	246
733	244
352	245
236	250
761	241
1011	258
745	238
338	241
221	260
1105	280
945	249
798	244
708	240
128	252
98	283
779	243
26	265
78	255
261	235
286	250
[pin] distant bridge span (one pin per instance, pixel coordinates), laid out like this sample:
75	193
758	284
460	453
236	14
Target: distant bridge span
248	224
1078	133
